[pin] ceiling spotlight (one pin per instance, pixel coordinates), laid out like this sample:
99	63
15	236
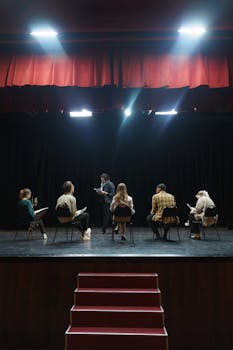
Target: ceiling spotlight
81	114
127	112
171	112
192	30
44	33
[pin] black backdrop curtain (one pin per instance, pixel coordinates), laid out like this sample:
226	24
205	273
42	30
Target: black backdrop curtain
188	152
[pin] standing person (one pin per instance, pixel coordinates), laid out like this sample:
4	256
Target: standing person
26	213
122	198
106	193
198	213
160	201
78	217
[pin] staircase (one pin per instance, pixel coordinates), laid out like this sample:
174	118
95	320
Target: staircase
117	311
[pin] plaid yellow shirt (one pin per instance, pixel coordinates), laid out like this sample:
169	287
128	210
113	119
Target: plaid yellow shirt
160	201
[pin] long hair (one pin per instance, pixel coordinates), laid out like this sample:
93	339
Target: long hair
121	193
24	192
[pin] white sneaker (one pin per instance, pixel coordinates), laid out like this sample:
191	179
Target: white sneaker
45	236
187	224
87	235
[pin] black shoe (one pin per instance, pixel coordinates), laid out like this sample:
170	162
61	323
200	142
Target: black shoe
103	231
123	238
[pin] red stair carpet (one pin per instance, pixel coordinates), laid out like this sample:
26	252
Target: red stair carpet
117	311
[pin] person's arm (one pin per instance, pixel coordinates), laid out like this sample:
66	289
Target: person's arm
73	206
154	207
131	205
112	205
110	190
30	209
199	206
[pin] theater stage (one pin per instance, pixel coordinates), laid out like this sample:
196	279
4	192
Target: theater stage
102	245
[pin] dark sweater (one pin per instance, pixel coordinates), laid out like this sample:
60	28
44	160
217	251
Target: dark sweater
25	210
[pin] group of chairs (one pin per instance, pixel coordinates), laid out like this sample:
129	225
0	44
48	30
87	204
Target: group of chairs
122	214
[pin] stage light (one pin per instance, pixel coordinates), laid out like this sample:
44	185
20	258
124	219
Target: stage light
192	30
84	113
171	112
127	112
44	33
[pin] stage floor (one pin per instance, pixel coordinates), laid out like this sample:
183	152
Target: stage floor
102	246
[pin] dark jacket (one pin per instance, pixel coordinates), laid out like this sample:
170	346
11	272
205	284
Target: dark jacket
110	188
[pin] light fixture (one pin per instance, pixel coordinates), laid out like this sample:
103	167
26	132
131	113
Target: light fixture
81	114
192	30
44	33
127	112
171	112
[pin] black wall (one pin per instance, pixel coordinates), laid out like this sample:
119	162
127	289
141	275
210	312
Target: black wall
188	152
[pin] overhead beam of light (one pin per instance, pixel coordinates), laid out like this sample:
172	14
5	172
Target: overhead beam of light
81	114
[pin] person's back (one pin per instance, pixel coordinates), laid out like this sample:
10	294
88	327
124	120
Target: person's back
204	202
25	211
26	214
161	201
66	208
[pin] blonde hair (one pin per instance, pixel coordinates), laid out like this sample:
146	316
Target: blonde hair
24	193
121	193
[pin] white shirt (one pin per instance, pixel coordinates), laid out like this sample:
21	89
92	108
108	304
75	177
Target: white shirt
128	202
69	200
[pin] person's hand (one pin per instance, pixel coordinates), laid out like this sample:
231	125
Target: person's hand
101	193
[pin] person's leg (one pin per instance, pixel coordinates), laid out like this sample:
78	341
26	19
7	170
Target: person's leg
82	222
42	228
194	227
106	216
123	229
154	225
166	229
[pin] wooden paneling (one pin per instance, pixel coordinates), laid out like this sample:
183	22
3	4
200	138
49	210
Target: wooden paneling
36	295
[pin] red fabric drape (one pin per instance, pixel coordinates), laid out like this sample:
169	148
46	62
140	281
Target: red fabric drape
127	68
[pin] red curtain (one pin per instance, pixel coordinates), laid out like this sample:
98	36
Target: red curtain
127	68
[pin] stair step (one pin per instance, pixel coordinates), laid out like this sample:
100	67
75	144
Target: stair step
117	316
118	280
117	297
104	338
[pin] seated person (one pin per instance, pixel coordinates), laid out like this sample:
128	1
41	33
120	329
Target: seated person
160	201
122	198
26	214
77	217
198	213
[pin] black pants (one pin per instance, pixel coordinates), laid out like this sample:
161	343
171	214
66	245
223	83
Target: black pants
155	226
107	216
82	221
194	227
38	223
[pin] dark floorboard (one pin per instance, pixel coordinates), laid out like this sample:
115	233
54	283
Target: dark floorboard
102	245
